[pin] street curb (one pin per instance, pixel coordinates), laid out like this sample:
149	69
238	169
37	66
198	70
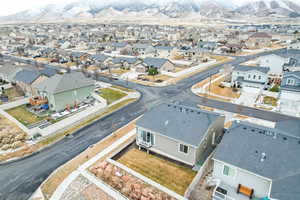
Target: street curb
48	146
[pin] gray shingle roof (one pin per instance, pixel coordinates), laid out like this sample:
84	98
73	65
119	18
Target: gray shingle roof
155	62
69	81
27	76
48	72
183	123
243	145
249	68
99	57
292	127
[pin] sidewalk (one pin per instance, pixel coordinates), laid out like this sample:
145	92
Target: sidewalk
82	170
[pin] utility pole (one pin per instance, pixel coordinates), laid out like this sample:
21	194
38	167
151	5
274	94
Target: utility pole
209	84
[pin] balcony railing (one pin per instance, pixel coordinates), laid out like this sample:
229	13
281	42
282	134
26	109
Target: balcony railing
219	196
144	144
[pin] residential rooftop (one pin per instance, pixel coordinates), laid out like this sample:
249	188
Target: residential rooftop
267	152
182	123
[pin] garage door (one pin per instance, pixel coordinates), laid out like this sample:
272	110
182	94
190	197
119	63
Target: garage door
251	89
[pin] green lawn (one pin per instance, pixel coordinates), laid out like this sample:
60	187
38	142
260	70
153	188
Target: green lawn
24	116
169	174
111	95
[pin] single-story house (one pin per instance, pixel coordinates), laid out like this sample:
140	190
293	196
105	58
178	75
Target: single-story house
124	62
290	93
259	40
249	78
294	45
66	90
182	133
8	72
257	161
161	64
274	62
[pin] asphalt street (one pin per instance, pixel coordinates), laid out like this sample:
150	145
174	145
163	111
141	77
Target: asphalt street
20	178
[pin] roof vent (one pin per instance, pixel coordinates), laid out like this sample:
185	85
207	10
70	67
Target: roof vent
166	122
284	138
263	157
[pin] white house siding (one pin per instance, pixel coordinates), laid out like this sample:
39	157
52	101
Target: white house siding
295	46
207	141
274	62
250	76
170	148
290	102
260	185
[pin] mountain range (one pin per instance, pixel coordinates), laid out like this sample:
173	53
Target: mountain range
93	9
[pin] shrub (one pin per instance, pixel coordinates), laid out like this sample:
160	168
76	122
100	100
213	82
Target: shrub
275	88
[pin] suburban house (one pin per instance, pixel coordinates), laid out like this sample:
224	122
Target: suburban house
249	78
291	126
28	79
274	62
259	40
294	45
66	90
8	72
290	93
161	64
142	49
124	62
253	161
182	133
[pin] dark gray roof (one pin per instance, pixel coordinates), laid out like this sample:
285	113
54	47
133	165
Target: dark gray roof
292	127
241	79
9	69
99	57
48	72
27	76
155	62
242	146
182	123
295	73
124	59
68	81
77	54
249	68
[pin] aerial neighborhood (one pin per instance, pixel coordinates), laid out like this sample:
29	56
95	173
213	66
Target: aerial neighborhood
139	107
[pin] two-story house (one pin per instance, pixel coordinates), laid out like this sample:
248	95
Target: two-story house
290	93
257	162
249	78
182	133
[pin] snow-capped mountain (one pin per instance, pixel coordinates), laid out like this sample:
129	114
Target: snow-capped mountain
269	7
89	9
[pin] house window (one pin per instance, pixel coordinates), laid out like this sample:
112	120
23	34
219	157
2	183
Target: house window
259	77
228	171
254	76
290	81
147	137
249	76
183	148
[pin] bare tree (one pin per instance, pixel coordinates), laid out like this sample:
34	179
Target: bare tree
227	71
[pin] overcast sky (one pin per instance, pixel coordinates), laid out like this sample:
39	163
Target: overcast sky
8	7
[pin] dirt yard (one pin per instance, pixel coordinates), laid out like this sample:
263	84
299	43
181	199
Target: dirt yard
57	178
169	174
11	136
